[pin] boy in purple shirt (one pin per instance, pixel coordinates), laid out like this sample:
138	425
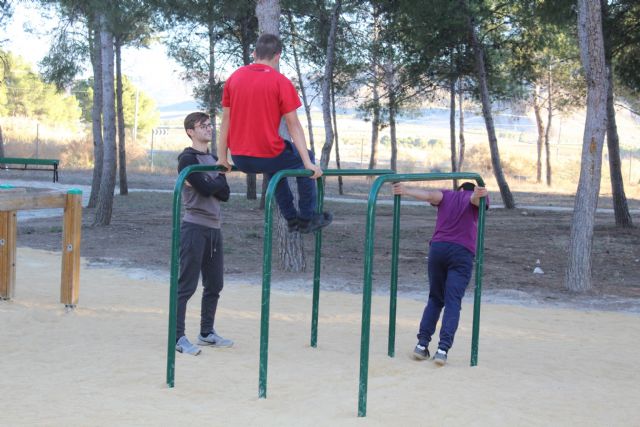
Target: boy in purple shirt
451	252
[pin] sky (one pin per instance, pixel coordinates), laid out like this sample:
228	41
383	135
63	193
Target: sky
149	69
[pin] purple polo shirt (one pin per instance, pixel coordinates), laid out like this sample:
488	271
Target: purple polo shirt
457	220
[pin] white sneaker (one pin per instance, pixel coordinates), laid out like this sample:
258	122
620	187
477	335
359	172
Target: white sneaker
184	346
214	340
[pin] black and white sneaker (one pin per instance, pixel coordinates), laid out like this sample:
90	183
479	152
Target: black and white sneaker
440	358
421	352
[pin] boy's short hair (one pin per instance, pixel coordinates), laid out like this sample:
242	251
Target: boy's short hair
194	119
467	186
268	46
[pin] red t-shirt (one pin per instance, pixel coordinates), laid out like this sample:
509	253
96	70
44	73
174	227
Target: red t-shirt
257	96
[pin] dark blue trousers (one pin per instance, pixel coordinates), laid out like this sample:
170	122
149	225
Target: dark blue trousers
450	268
288	159
200	253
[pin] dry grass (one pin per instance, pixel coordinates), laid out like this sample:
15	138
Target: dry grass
422	148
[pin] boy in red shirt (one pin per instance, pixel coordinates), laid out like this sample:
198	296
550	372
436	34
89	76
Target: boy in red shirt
255	99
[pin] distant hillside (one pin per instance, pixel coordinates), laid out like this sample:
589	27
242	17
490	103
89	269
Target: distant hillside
177	110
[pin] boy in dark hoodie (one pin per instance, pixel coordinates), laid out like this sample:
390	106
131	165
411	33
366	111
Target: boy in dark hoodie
200	236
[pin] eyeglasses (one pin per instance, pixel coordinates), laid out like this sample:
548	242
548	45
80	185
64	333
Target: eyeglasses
205	126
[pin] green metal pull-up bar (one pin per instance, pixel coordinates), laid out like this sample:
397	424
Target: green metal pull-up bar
368	271
384	176
266	278
266	262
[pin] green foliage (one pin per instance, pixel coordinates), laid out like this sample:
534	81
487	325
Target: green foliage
65	59
622	29
196	26
5	11
148	116
24	93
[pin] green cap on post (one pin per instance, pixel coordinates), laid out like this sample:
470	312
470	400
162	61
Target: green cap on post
74	191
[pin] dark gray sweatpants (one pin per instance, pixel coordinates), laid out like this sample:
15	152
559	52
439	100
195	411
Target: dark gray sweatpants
200	253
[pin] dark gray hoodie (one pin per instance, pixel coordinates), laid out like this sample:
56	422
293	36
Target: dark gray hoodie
202	199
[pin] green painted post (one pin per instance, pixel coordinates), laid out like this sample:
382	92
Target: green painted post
316	270
266	274
318	248
393	289
266	262
475	335
368	270
175	254
366	296
266	283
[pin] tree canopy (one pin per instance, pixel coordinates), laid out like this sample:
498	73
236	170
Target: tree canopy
23	92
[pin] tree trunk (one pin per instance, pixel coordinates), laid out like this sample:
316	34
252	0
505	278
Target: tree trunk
375	125
96	115
290	248
335	135
375	70
305	101
213	108
540	127
620	205
461	126
547	133
326	85
290	256
246	41
268	14
214	141
478	50
108	180
578	272
122	151
452	127
393	109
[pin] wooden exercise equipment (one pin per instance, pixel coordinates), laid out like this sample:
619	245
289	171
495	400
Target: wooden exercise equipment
12	200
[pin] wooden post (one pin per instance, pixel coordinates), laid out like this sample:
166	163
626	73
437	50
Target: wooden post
72	222
8	232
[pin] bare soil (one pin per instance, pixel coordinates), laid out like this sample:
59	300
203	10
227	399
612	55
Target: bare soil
140	236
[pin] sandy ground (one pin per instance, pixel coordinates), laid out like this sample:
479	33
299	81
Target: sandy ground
104	363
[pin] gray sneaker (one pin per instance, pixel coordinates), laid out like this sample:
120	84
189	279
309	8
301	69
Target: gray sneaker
421	352
214	340
440	358
184	346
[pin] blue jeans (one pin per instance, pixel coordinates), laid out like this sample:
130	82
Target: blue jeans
288	159
450	268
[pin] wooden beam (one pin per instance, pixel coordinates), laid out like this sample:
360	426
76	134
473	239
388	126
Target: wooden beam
13	201
8	233
71	233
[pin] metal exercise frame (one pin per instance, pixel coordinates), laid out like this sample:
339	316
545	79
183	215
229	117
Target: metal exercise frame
266	265
368	270
383	177
266	277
